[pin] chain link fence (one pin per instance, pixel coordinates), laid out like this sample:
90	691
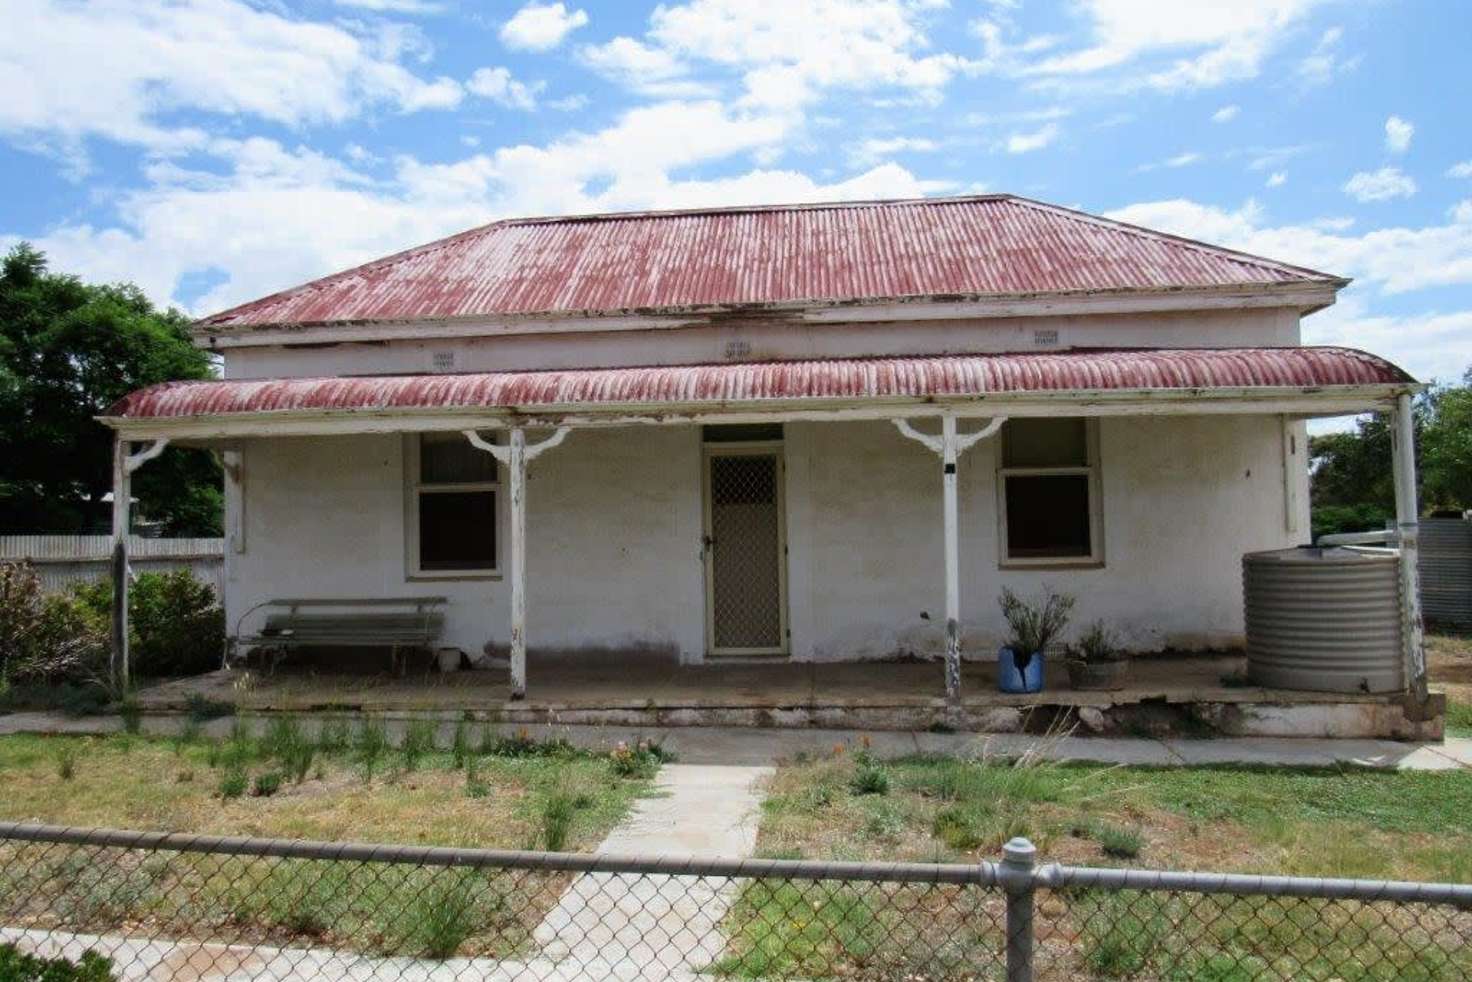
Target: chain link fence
182	907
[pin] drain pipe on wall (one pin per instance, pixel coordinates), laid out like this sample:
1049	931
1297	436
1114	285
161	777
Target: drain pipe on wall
949	446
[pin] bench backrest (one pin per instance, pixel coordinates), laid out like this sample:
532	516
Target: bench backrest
304	624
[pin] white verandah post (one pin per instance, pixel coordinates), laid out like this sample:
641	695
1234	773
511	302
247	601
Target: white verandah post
949	446
123	466
515	456
1408	527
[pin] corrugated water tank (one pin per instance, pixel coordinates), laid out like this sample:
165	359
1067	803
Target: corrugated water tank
1324	619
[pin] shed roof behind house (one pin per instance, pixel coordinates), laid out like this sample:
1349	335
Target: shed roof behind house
866	252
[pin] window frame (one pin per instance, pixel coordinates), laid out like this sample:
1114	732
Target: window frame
415	488
1089	469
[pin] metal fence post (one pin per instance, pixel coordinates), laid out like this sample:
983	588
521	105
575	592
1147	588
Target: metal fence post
1018	858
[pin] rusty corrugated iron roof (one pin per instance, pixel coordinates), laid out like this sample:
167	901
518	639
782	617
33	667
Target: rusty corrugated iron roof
748	385
946	248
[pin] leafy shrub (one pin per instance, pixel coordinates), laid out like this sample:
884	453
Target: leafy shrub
233	783
132	715
66	761
639	759
475	785
266	784
523	744
443	916
17	966
84	698
1117	841
285	742
1098	644
334	736
418	741
371	744
558	812
202	708
869	778
1033	624
175	623
460	744
44	637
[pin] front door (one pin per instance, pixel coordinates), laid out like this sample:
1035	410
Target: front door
745	551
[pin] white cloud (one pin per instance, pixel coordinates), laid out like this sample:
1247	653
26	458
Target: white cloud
1276	179
1226	114
873	150
1392	260
1385	262
1429	345
785	54
1325	61
277	216
216	56
1398	133
1183	159
1211	43
644	68
1035	140
541	27
1463	169
394	6
497	85
1380	185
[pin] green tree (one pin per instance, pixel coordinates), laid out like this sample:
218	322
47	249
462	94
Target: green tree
1353	486
68	351
1446	446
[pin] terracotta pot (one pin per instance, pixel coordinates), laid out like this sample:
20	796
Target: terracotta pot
1097	675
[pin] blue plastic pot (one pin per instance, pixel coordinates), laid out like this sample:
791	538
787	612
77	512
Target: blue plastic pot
1014	680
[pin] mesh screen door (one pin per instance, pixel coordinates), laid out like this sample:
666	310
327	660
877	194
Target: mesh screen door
744	546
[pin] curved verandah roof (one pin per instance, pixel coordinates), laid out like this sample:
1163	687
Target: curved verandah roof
1306	381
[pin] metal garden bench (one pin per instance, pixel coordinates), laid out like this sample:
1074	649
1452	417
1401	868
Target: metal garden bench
397	623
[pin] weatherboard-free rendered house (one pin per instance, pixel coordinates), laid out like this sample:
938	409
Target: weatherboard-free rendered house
797	434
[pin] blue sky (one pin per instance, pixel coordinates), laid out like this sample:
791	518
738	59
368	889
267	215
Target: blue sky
216	150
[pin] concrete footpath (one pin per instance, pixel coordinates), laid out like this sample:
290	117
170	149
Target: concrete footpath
763	747
620	926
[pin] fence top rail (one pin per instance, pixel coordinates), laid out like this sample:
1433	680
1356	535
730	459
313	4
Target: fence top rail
1050	876
1055	876
981	874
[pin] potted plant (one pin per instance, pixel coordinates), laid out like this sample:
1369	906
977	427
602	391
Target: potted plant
1096	661
1032	625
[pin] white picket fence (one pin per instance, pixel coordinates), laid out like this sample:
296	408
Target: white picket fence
65	559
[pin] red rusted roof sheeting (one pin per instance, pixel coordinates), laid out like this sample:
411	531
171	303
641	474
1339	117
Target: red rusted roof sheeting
948	376
856	252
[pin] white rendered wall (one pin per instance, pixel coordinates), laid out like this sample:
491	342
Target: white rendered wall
614	537
769	340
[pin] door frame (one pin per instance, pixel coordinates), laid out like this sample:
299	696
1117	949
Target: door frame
762	448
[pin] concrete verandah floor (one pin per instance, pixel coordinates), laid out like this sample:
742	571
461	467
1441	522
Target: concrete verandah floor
635	683
1185	693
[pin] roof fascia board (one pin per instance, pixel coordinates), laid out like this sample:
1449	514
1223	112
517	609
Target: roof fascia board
1305	297
1277	400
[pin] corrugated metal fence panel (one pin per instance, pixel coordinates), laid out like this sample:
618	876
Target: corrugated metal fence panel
1446	570
62	560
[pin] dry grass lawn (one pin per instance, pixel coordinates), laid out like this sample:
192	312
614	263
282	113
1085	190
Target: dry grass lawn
1449	661
349	785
